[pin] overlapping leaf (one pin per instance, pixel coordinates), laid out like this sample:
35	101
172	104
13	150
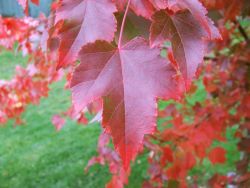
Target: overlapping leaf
129	80
186	29
141	7
187	38
200	14
86	21
185	35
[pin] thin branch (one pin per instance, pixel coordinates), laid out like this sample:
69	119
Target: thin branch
206	58
242	31
123	24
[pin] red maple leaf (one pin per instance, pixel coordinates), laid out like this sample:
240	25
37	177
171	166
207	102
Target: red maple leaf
85	21
200	14
187	38
129	80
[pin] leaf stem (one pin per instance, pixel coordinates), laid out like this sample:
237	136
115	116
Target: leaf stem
123	24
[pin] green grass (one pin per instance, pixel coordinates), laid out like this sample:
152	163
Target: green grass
8	62
36	156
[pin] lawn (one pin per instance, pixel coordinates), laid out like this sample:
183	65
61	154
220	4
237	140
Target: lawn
35	155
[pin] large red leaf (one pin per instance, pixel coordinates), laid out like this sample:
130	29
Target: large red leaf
86	22
129	80
186	30
186	35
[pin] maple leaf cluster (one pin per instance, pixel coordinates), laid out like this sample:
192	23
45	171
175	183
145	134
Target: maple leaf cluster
189	31
29	84
121	57
182	144
129	75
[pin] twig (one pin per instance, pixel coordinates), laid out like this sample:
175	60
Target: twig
242	31
123	24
